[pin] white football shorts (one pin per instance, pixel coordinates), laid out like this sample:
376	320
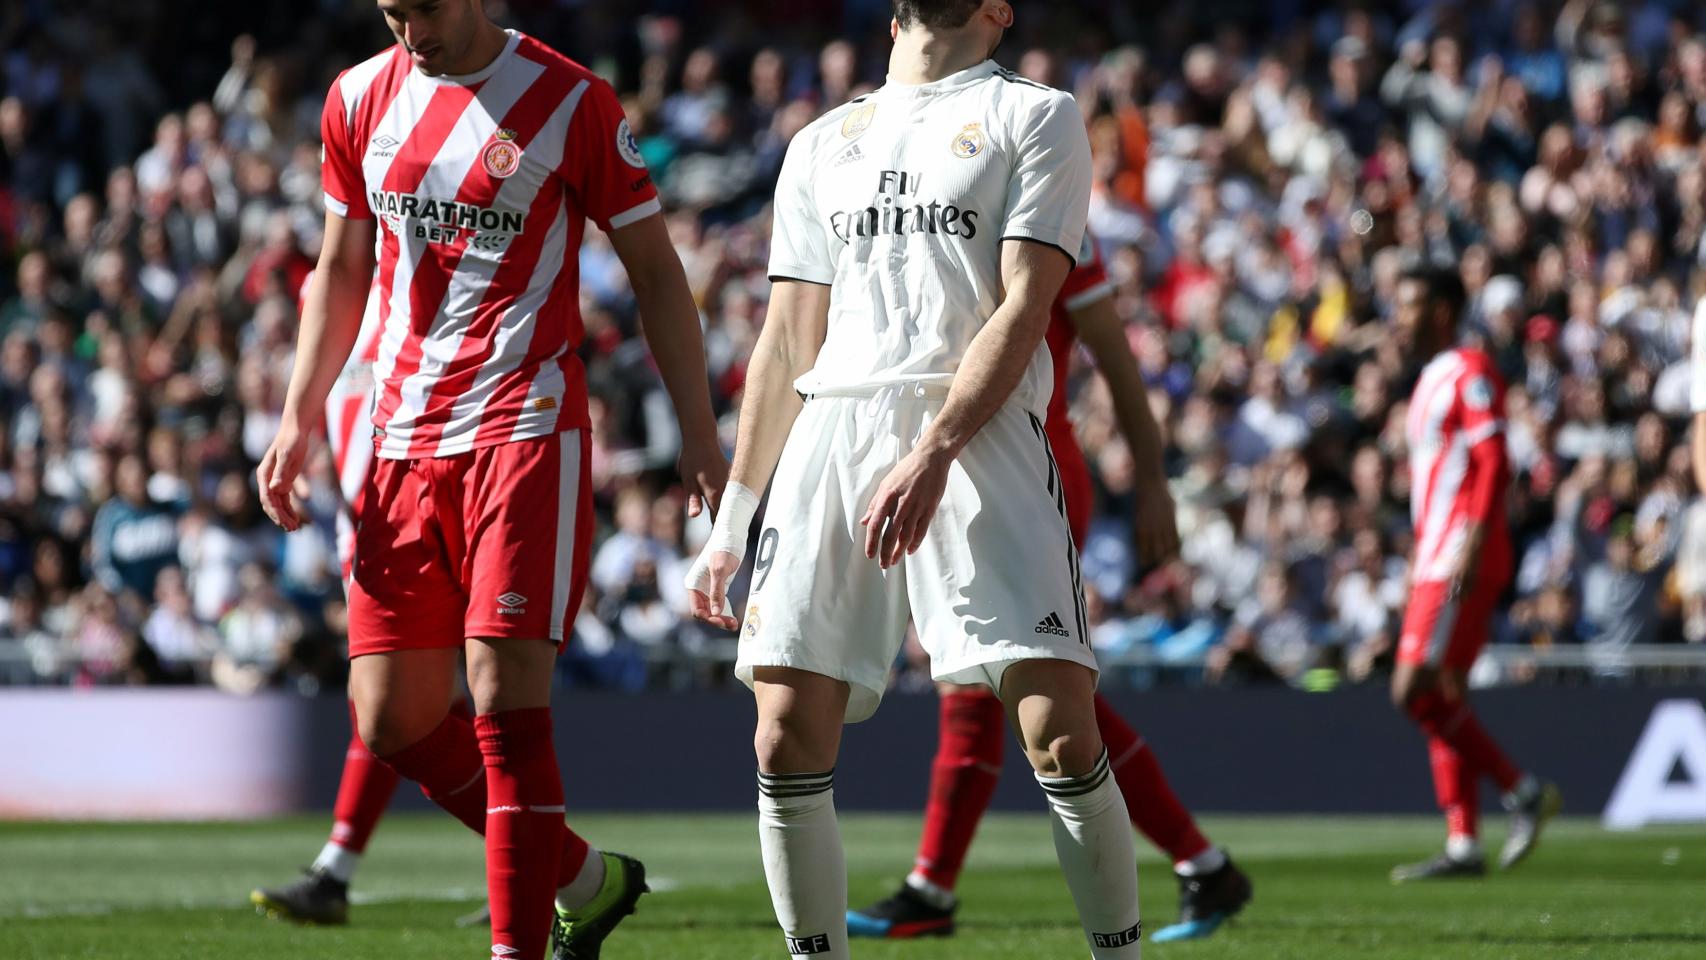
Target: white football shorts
995	580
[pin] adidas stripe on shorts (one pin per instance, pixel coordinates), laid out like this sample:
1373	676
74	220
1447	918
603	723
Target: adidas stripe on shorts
996	579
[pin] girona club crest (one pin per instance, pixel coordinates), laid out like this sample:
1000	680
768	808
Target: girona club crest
502	157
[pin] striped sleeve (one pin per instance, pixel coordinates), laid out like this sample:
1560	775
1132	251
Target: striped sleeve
340	161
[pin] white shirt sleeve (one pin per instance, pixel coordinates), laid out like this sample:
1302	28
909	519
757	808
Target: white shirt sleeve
1048	198
799	248
1697	362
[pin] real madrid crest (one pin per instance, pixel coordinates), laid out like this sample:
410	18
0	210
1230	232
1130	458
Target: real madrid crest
502	157
858	120
968	142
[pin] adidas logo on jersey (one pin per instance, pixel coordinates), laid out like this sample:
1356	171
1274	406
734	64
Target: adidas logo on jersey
1052	626
850	155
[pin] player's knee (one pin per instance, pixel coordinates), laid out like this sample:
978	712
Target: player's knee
385	733
783	744
1068	755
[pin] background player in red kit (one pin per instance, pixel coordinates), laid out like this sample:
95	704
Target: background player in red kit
462	164
972	727
1463	561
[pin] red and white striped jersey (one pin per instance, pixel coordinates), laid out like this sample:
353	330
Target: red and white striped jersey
1457	405
482	185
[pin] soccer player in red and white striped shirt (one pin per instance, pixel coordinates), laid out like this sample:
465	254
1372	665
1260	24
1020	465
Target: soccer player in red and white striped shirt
1463	561
460	168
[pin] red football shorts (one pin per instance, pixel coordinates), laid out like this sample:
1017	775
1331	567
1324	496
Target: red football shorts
490	543
1448	632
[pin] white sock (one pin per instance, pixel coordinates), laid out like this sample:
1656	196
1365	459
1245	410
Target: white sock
1461	846
1092	838
579	892
1208	861
803	861
337	862
933	893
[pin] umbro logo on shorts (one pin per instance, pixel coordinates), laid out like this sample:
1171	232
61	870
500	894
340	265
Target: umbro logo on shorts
511	603
1051	625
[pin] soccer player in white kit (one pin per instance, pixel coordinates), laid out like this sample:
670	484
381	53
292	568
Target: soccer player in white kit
897	392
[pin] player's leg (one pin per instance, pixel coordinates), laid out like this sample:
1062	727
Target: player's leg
970	741
1051	704
997	596
525	511
1531	801
321	895
1441	638
822	626
797	739
511	683
1211	887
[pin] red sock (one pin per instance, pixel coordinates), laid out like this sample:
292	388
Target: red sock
962	782
1454	721
524	828
1456	789
364	791
446	763
1149	798
448	766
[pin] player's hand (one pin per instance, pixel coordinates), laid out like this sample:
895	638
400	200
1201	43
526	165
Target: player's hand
906	501
704	470
708	588
278	476
1157	526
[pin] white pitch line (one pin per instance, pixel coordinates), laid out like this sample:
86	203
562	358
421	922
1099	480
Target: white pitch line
34	911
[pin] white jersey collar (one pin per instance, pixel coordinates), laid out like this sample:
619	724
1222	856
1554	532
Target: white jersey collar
951	82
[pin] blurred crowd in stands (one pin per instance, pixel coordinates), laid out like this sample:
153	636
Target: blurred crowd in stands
1262	173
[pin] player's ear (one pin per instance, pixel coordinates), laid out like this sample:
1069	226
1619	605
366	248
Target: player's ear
894	29
1002	13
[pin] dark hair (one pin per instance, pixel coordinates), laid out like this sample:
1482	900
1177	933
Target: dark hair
1442	284
936	14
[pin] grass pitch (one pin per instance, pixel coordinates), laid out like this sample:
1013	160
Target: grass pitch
156	891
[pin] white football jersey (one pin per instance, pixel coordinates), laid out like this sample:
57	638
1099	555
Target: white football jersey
900	200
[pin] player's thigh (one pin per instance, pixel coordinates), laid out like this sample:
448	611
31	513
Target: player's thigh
1430	619
997	579
1473	629
527	520
817	603
402	695
404	591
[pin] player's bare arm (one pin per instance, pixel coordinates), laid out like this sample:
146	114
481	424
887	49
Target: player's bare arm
331	318
900	513
1101	332
794	329
670	322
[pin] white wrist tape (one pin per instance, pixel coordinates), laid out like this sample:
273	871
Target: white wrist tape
734	520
